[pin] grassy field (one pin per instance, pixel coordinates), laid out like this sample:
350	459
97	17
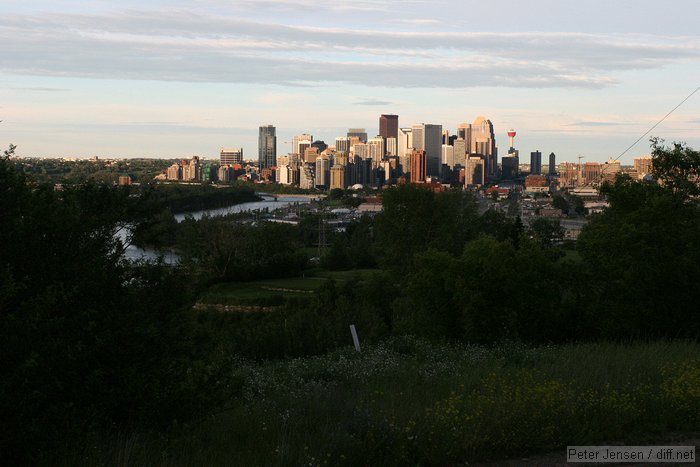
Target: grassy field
275	291
408	402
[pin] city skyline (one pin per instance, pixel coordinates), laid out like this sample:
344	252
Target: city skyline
176	79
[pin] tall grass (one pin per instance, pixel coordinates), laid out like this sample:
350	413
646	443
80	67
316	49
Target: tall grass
406	401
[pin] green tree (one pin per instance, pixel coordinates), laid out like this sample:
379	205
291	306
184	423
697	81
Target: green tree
415	219
677	168
546	232
87	340
560	202
645	252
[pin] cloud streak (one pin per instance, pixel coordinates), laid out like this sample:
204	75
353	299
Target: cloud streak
183	46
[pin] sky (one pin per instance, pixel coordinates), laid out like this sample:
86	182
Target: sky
180	78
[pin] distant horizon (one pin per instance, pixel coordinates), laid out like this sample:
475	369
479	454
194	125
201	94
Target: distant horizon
176	78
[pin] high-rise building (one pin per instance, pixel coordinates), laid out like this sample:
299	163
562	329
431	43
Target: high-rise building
418	166
358	133
474	173
174	172
610	170
642	165
284	175
389	126
552	164
404	144
342	144
224	173
303	139
590	173
483	143
310	155
231	156
338	177
391	149
267	146
428	137
378	150
568	174
306	177
448	156
460	149
536	163
323	168
509	165
464	131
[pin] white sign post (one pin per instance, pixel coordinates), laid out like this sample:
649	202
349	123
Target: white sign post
354	337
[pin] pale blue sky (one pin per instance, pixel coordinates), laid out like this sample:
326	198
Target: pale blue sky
179	78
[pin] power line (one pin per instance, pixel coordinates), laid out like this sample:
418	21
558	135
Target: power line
646	133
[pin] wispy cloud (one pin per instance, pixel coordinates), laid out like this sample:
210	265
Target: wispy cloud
183	46
41	89
373	102
599	124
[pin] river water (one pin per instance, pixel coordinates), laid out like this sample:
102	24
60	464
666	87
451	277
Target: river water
268	202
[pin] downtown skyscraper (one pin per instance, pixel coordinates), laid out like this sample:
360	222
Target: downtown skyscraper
389	126
267	147
428	138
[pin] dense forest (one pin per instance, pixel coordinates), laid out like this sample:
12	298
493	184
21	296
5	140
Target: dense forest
92	343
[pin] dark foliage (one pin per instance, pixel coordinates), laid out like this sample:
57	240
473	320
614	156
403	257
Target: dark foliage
86	340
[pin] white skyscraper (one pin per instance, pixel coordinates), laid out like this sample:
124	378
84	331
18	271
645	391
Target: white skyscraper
404	145
377	150
448	156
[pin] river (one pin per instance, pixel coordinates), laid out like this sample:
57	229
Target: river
268	202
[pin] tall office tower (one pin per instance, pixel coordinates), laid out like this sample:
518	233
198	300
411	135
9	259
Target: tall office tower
361	150
231	156
418	166
298	140
428	137
536	163
509	165
358	133
445	136
267	147
552	164
448	156
590	173
391	149
342	144
474	173
378	149
338	177
568	174
404	143
464	131
460	146
323	169
389	126
642	165
483	143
